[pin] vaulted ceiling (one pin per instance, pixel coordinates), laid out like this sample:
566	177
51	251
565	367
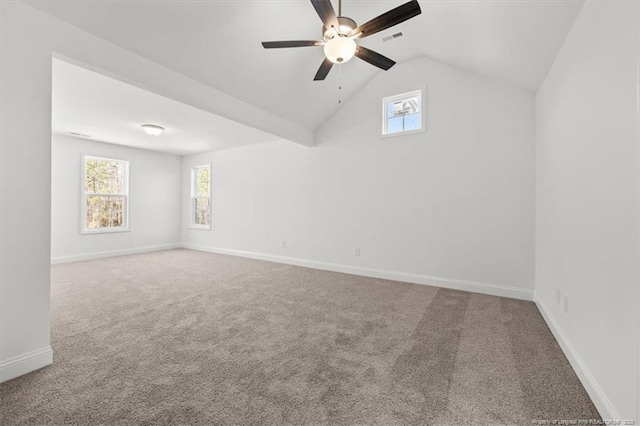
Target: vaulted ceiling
218	43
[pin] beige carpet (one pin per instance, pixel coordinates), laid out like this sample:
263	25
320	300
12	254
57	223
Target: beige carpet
184	337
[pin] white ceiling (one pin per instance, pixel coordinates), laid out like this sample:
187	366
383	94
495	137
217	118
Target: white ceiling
112	111
218	43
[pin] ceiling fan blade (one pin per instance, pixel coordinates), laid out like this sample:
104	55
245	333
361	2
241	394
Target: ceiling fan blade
291	43
326	13
389	19
323	70
374	58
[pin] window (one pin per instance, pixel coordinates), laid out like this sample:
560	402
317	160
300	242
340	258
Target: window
201	197
106	195
402	113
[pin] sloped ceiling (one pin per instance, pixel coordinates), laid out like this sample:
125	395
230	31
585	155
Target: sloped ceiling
218	43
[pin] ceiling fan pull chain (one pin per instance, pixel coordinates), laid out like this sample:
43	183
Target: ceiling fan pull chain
339	84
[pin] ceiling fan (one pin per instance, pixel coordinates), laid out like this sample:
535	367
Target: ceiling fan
339	35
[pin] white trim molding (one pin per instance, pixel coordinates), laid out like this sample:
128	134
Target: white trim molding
450	283
112	253
25	363
591	385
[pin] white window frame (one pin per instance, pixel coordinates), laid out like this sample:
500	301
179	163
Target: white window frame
84	229
395	98
192	208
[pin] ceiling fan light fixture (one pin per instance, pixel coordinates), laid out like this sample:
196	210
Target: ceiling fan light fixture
340	49
152	129
339	34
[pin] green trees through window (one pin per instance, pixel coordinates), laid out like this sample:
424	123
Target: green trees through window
201	196
106	193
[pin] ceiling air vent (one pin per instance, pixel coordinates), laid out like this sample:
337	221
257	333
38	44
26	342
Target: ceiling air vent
391	37
80	135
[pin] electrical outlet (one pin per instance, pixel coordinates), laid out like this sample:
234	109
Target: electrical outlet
558	296
565	304
357	252
284	243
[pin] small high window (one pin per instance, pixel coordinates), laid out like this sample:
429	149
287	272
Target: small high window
402	113
201	197
106	195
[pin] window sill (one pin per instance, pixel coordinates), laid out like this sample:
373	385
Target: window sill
104	231
393	135
200	227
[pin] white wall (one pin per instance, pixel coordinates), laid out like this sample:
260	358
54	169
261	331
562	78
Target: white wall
28	40
154	194
587	202
455	202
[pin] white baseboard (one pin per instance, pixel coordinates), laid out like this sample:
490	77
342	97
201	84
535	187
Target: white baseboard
25	363
451	283
112	253
597	395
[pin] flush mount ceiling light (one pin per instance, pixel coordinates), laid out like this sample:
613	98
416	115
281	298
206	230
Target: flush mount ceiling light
339	35
152	129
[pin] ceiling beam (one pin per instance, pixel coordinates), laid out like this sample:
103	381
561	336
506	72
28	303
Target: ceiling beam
132	69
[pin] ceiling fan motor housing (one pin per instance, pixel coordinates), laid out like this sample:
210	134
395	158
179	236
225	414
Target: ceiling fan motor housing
346	25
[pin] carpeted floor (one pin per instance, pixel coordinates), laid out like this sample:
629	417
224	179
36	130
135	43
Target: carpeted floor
185	337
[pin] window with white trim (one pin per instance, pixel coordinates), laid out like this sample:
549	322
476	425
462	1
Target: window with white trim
201	197
402	113
105	201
